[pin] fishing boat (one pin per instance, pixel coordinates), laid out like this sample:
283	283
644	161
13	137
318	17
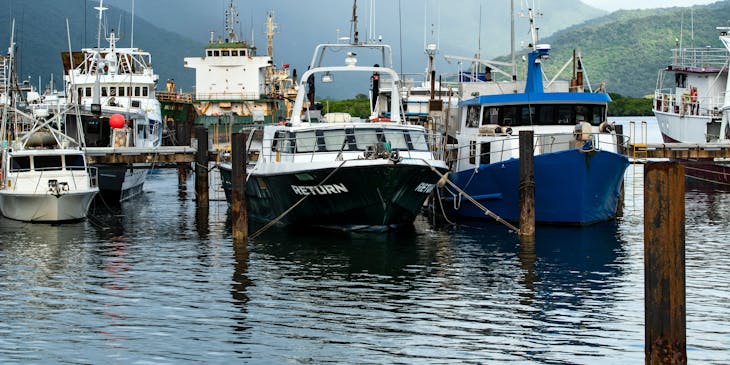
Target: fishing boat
114	81
577	170
691	104
235	87
336	170
44	176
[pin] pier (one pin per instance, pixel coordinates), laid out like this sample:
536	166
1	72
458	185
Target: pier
152	155
679	150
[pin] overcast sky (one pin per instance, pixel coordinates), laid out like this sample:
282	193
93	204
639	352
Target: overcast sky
612	5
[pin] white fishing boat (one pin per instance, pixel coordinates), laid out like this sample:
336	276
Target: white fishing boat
44	175
336	171
115	89
235	86
692	104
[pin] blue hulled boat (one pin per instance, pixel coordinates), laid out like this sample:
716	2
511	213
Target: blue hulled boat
578	170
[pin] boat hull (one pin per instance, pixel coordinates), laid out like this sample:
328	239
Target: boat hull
373	197
571	187
118	183
46	207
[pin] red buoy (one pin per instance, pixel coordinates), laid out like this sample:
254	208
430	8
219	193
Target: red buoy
116	121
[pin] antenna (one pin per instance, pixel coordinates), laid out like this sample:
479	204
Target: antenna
131	44
101	9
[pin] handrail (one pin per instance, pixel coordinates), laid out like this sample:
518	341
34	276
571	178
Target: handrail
597	143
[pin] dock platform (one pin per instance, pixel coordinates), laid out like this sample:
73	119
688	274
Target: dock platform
152	155
679	150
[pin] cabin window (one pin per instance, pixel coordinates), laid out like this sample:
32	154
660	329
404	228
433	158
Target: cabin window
490	116
599	113
145	91
680	80
225	53
472	152
335	140
565	114
216	53
484	153
74	161
418	140
20	163
472	116
103	91
306	141
234	53
365	138
47	162
527	115
396	138
210	53
129	91
508	116
546	115
582	113
113	91
137	91
121	91
243	52
88	91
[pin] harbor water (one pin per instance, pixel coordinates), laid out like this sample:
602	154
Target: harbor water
156	282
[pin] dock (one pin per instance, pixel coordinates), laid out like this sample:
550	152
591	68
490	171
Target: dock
151	155
679	150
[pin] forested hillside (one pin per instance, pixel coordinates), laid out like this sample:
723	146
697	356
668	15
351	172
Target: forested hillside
627	48
40	34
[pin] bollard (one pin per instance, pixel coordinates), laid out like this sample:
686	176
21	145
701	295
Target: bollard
239	160
201	166
527	187
664	264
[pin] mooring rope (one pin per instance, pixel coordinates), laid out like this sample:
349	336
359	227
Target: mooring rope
444	178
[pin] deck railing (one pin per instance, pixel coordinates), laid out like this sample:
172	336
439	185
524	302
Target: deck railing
699	59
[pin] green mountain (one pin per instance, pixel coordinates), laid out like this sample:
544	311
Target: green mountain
40	34
625	49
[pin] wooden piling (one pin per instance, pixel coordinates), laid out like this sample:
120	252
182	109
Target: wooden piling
183	139
239	160
527	187
201	166
664	264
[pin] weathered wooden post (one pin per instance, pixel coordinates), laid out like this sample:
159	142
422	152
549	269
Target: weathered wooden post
527	187
181	134
664	265
239	156
201	166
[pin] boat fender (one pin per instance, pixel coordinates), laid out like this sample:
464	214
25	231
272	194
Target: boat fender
606	127
582	131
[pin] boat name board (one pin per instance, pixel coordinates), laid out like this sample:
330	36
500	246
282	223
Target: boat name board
320	189
425	188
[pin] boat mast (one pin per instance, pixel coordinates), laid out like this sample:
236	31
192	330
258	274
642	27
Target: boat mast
354	23
101	9
512	40
270	34
231	19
